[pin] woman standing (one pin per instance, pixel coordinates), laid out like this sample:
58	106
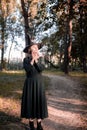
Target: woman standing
34	105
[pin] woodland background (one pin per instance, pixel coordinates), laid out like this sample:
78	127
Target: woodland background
61	25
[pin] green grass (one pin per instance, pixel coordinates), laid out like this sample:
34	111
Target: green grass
78	74
11	83
71	73
54	72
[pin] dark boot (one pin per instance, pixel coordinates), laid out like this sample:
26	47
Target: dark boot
39	126
31	124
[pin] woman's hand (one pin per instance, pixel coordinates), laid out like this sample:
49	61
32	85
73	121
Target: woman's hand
35	56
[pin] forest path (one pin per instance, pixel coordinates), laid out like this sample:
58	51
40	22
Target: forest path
66	105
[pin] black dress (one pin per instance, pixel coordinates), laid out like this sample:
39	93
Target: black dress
34	103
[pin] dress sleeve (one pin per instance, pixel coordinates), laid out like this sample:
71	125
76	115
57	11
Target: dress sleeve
39	65
27	66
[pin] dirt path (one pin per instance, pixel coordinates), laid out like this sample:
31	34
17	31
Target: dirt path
67	109
66	106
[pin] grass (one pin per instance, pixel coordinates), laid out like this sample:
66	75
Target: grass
10	83
54	72
71	73
78	74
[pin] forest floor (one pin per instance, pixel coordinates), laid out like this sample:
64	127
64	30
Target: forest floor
67	105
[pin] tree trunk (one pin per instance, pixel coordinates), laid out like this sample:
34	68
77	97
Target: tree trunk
82	32
68	39
26	24
65	66
2	50
9	53
2	58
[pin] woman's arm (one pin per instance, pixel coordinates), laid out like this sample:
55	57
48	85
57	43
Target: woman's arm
39	65
28	64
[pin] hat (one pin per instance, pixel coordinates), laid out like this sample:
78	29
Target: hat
31	44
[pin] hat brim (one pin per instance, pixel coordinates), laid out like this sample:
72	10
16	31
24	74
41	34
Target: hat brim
28	46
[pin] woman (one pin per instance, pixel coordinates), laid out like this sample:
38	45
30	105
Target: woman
34	105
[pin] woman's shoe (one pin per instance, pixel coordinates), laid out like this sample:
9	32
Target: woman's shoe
31	124
39	126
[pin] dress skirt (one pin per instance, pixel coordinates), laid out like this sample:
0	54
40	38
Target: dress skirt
34	103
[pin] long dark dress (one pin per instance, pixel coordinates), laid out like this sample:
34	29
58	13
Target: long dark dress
34	103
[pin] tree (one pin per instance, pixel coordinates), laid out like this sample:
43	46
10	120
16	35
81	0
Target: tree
25	4
71	27
68	42
6	7
83	33
14	30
